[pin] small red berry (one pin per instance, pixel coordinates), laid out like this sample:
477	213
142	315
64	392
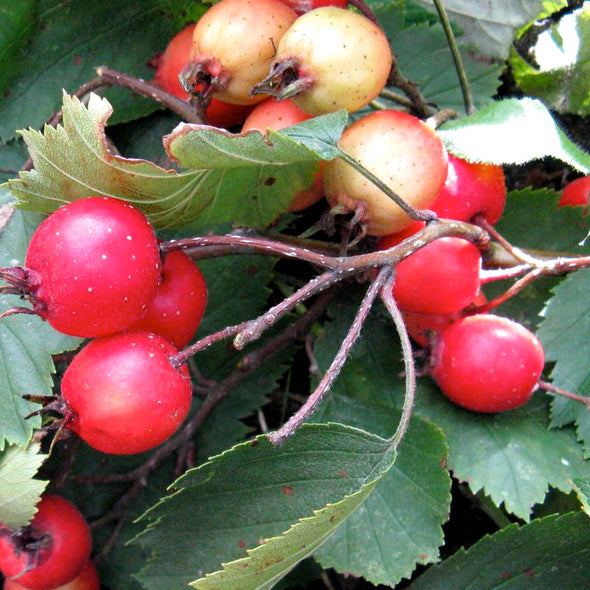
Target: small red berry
51	551
487	363
87	579
576	193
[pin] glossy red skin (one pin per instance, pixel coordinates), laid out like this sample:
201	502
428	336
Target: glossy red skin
441	277
303	6
123	394
87	579
276	115
576	193
62	560
172	62
98	267
470	189
178	307
423	327
487	363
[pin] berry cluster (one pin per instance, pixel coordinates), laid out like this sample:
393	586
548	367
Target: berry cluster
438	287
93	269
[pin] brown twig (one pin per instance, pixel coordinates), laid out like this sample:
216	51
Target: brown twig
582	399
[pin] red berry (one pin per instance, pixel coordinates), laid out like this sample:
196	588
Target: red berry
86	580
576	193
329	59
173	61
400	150
487	363
177	309
441	277
275	115
471	188
95	266
51	551
233	45
123	394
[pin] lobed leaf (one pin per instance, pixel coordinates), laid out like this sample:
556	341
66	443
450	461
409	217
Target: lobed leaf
254	492
26	345
19	491
548	553
245	179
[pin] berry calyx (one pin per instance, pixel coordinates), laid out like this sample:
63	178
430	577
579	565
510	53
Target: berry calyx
92	267
123	395
303	6
402	151
487	363
329	59
233	45
471	188
169	66
51	551
179	304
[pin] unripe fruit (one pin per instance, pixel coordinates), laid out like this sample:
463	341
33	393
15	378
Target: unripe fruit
93	267
51	551
487	363
123	395
471	189
576	193
233	45
171	63
87	579
178	307
276	115
401	151
330	59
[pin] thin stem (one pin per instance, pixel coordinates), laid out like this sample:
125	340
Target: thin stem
410	369
465	89
582	399
418	214
513	290
290	427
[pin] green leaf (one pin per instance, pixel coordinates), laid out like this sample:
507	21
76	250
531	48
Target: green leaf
564	334
489	27
512	131
400	524
26	345
513	456
19	492
266	564
549	553
582	488
561	75
61	45
256	491
243	179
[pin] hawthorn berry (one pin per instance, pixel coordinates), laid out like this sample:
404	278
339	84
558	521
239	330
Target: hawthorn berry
471	188
329	59
576	193
233	45
276	115
87	579
51	551
487	363
178	307
169	66
401	150
123	395
92	267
